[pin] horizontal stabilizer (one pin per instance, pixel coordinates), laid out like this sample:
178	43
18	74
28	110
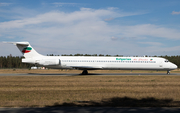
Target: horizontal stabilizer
18	43
26	49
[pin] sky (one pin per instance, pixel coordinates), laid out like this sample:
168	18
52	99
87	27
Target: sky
113	27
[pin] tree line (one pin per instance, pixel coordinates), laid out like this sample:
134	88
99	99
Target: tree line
15	61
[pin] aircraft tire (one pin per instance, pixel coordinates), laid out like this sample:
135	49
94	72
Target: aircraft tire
85	72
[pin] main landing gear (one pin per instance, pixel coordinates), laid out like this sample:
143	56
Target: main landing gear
168	72
85	72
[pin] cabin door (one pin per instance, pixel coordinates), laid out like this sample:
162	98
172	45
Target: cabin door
161	64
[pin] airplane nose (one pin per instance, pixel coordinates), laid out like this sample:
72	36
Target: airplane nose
174	66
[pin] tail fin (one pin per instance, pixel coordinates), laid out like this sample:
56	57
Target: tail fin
26	49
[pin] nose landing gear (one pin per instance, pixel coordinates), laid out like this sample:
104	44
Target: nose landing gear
168	72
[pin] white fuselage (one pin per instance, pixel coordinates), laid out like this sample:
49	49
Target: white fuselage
102	63
92	63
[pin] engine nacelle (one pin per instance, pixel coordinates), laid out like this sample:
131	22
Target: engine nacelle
49	62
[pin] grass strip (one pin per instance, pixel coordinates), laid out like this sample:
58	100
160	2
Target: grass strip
128	91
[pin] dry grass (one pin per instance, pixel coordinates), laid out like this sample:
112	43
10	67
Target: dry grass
29	91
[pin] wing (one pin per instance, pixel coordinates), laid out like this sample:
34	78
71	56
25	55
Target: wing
87	67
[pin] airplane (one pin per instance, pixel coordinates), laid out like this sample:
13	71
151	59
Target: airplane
86	63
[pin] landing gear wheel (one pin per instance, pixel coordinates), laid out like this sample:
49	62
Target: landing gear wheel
85	72
168	72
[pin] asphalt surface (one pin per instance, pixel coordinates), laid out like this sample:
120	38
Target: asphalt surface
76	74
89	110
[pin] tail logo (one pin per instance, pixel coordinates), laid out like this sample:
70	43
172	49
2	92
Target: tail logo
27	50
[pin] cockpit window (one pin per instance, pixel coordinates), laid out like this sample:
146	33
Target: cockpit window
166	61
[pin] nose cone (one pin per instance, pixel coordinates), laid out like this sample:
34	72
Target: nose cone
173	66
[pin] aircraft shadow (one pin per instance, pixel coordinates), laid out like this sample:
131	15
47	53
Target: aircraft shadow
62	74
122	102
111	105
79	74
